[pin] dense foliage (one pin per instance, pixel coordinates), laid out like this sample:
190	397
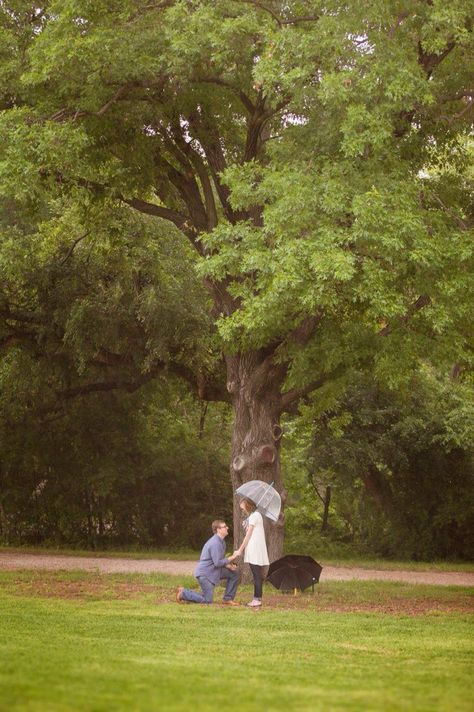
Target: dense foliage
399	467
101	442
311	162
116	471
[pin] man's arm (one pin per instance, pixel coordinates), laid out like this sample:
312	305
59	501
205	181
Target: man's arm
216	556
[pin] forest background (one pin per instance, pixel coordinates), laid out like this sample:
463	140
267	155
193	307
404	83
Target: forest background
187	186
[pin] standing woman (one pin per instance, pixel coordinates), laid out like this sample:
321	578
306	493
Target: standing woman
255	546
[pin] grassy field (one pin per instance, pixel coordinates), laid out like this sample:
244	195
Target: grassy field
175	555
189	554
85	641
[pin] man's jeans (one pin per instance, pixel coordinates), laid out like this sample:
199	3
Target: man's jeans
207	587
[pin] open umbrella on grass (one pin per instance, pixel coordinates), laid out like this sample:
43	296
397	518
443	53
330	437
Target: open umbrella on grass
293	572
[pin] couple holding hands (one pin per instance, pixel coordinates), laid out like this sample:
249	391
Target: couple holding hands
213	565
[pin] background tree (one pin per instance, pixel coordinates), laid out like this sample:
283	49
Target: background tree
400	467
99	436
312	153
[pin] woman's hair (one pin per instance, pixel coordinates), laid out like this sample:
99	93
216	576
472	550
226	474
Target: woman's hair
249	505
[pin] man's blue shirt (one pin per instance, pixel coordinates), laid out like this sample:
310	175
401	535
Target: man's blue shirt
212	560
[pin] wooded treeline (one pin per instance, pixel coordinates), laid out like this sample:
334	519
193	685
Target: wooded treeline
97	447
133	458
237	232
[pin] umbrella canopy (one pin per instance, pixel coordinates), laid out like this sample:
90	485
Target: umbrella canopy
262	494
294	571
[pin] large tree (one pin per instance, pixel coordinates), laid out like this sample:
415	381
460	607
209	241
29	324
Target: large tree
392	471
313	153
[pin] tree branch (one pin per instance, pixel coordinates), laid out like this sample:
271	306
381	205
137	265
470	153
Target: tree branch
73	247
402	16
188	189
196	164
157	210
290	399
454	117
26	317
302	333
422	301
119	93
202	387
208	137
16	338
447	210
104	386
302	18
429	61
269	370
262	6
65	113
150	8
181	221
280	20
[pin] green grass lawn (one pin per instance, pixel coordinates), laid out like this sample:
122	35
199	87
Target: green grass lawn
167	555
85	641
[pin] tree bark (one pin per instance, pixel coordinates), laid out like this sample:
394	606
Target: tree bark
327	500
379	489
4	529
254	386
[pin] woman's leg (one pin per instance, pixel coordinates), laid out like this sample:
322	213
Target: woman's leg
257	573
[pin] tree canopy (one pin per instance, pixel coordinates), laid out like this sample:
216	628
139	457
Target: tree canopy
316	155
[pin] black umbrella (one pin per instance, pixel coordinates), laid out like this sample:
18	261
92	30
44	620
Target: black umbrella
294	571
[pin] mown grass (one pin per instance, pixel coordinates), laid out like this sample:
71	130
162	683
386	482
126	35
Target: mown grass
190	554
394	565
85	641
164	554
367	596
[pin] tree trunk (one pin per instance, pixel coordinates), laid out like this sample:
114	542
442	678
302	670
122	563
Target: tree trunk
379	489
327	500
4	529
90	524
255	390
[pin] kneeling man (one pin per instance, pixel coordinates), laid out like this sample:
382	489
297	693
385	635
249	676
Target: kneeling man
212	567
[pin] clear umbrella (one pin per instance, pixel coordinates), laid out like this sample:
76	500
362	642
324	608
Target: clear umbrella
264	495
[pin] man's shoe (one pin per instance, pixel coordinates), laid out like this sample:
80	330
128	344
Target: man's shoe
231	603
179	594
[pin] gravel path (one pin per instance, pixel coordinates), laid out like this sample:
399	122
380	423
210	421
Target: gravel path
12	561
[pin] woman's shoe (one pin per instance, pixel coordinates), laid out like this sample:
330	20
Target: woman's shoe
256	603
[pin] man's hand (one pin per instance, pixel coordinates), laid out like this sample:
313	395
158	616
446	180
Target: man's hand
231	567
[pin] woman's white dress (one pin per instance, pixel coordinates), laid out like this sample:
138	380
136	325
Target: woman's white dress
256	549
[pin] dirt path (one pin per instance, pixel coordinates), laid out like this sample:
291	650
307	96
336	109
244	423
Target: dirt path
15	561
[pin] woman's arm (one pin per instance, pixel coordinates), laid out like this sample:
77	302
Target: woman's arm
246	540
